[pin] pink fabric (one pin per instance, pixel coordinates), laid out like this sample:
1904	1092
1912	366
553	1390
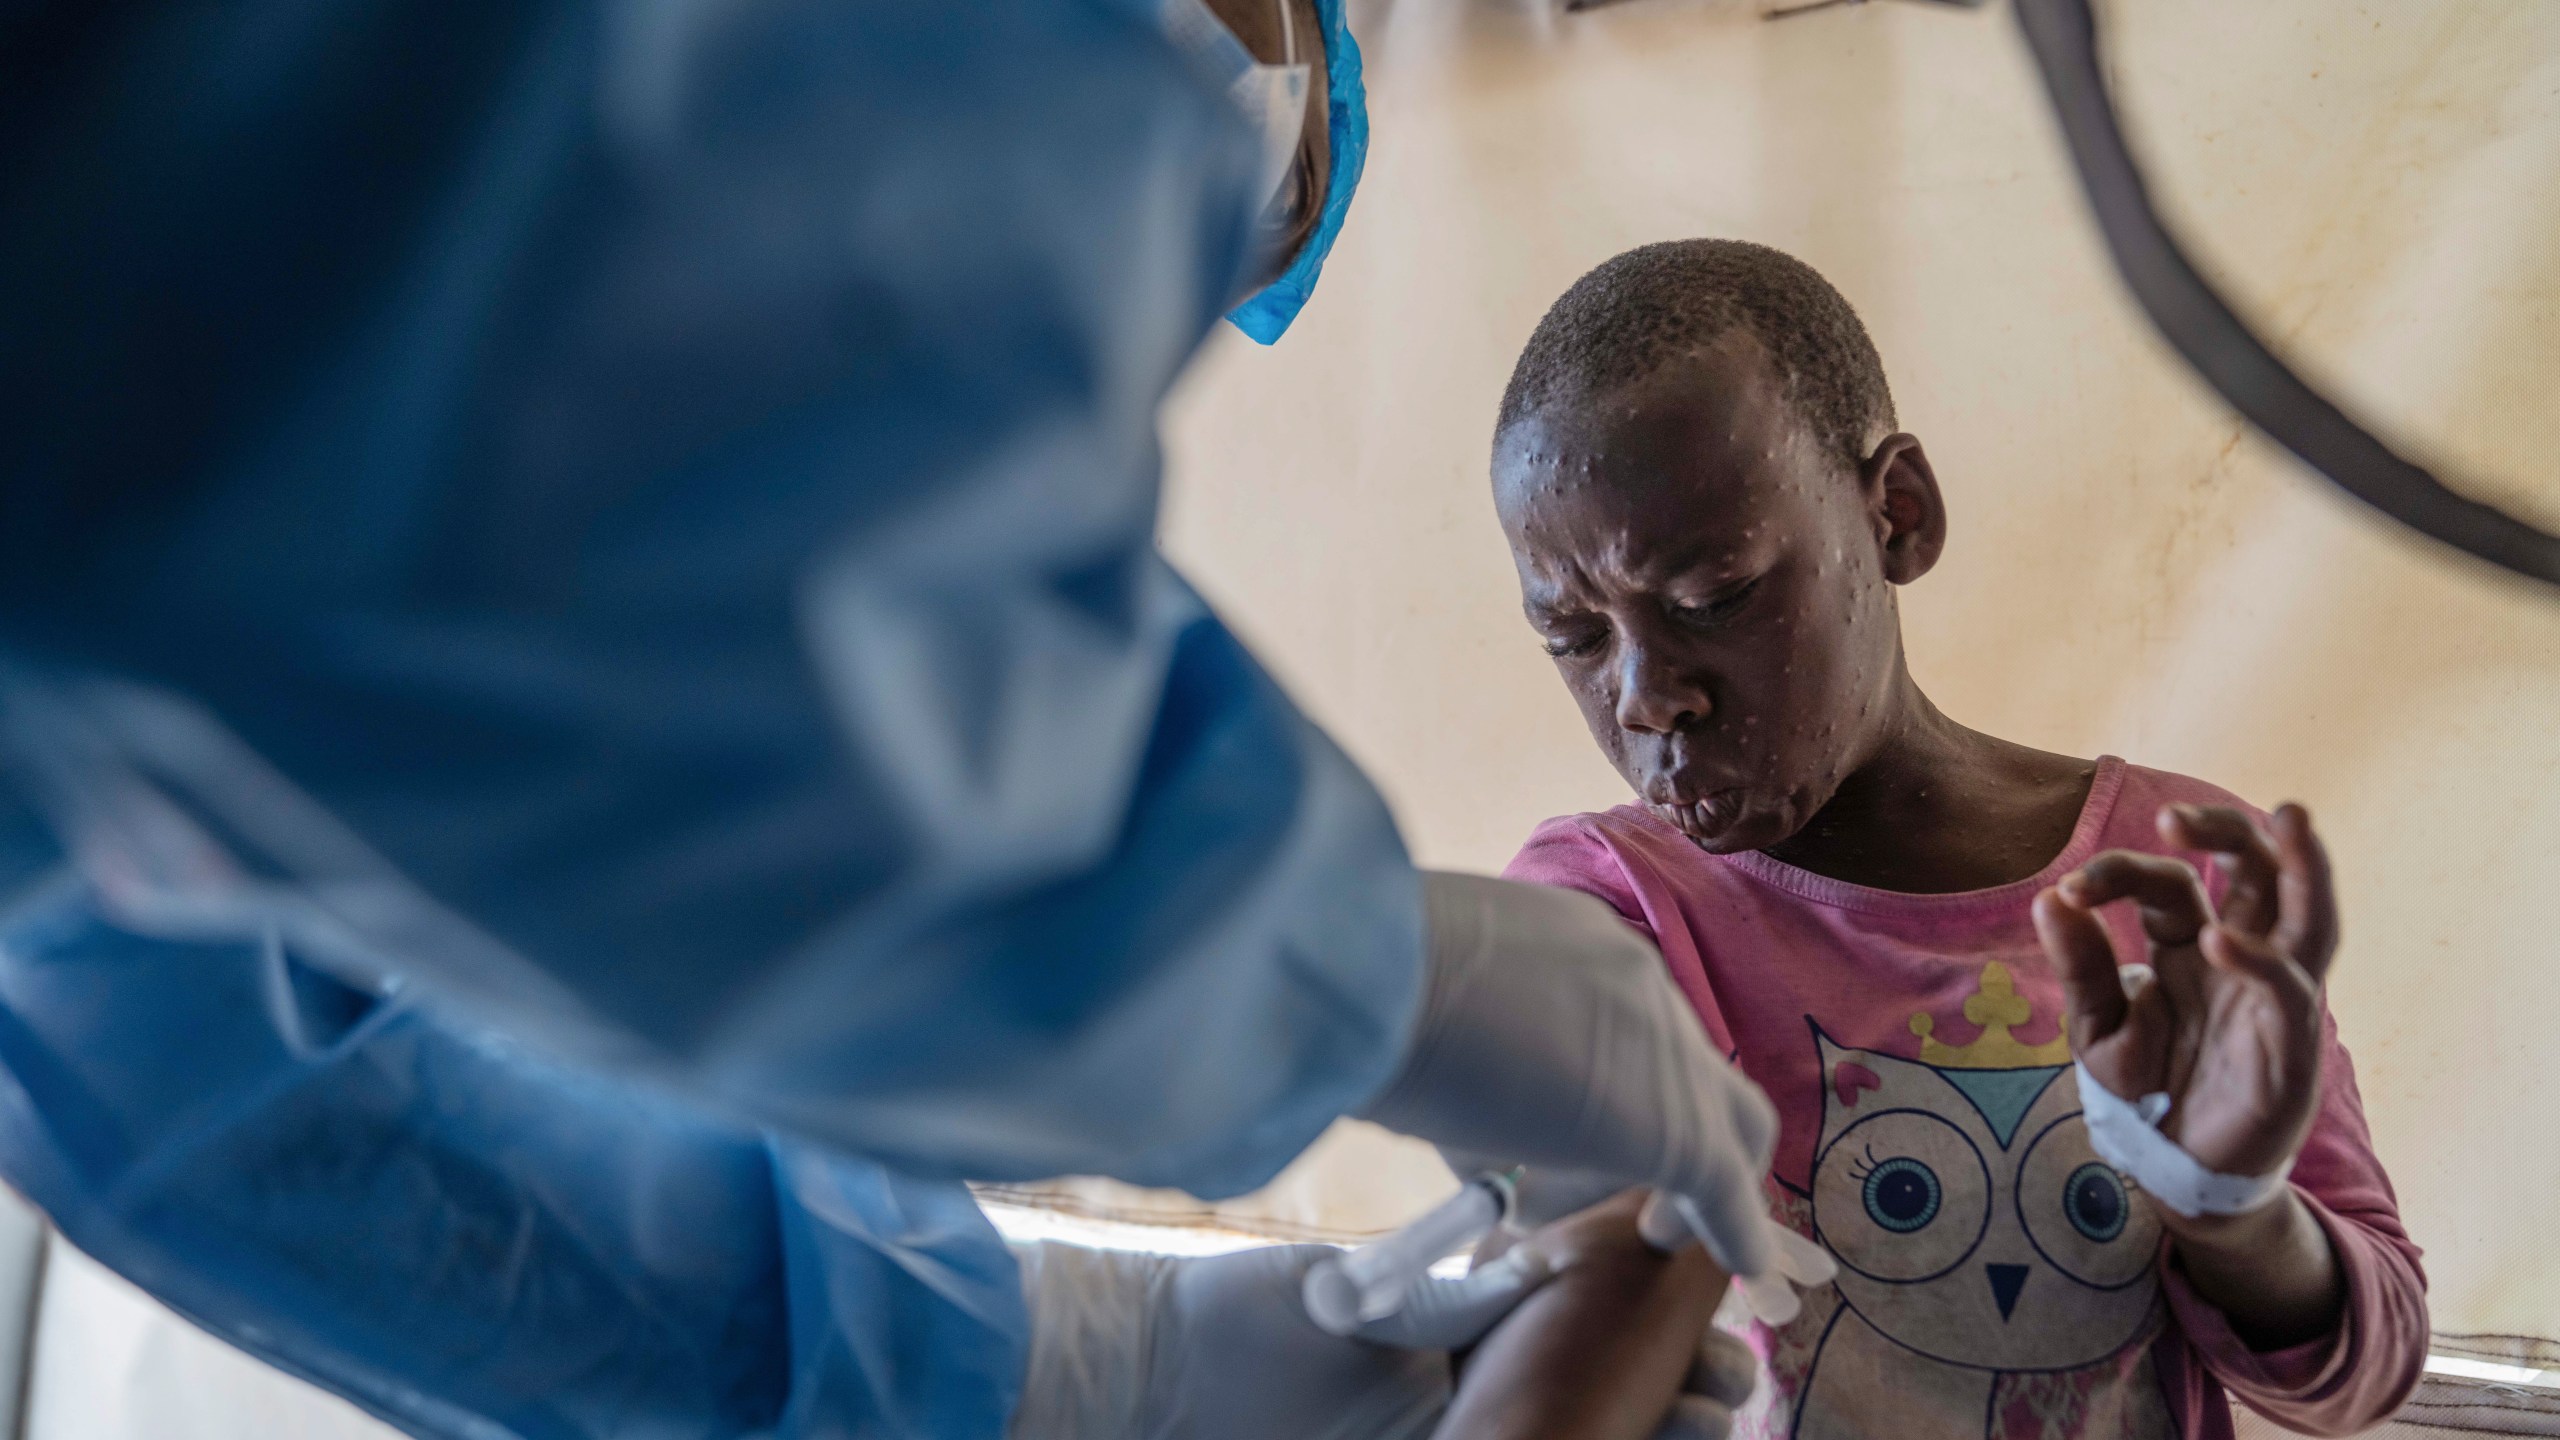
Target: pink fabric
1850	1005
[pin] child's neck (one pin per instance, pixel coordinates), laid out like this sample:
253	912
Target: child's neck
1938	808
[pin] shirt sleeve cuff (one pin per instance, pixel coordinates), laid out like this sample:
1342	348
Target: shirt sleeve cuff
2297	1372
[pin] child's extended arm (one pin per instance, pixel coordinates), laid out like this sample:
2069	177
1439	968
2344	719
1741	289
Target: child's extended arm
2316	1296
1603	1351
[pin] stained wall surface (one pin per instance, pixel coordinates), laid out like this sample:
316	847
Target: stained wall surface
2130	571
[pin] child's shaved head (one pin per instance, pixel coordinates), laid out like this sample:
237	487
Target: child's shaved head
1708	504
1623	320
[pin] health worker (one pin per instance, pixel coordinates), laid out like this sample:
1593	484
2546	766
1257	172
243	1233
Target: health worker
592	722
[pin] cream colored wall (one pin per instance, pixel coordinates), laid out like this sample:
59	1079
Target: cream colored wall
2130	571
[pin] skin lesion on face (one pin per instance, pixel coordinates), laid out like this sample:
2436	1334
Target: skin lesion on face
1714	585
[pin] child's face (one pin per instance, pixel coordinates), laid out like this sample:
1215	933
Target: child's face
1713	586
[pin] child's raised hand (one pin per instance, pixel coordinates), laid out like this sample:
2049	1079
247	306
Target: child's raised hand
2229	1022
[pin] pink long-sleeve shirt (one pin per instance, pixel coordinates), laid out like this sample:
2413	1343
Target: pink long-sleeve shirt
1996	1280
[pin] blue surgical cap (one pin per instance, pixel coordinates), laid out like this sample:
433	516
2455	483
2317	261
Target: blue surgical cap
1266	315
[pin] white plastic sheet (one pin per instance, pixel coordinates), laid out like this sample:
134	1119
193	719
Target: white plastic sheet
111	1364
22	1266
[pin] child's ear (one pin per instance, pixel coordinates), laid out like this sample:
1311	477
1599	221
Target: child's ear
1903	501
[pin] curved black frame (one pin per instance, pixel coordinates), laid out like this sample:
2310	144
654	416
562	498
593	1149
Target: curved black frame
2203	328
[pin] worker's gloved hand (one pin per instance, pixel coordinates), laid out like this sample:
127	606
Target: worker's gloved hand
1552	1035
1219	1347
1127	1346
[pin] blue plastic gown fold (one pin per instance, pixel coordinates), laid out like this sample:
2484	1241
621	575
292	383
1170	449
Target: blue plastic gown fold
464	1239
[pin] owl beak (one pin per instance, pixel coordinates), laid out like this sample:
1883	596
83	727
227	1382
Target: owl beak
2006	1282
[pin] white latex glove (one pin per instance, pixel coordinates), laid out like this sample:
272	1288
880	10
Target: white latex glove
1541	1194
1156	1347
1551	1034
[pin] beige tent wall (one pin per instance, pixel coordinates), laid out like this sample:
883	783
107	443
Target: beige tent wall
2130	571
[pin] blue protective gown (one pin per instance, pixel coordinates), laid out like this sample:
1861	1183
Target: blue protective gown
578	578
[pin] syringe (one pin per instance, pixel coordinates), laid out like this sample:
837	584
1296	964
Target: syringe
1347	1291
1350	1290
1771	1294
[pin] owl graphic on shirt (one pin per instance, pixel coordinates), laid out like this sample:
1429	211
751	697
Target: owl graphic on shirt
1994	1272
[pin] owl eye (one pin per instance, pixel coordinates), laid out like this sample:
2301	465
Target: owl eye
1902	1194
2079	1213
1901	1197
2095	1201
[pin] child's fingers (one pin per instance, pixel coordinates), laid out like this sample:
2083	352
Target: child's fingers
1693	1417
2078	946
2241	953
1726	1370
2167	889
2307	927
2247	854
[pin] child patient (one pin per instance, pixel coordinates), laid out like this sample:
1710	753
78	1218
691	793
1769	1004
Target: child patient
1906	930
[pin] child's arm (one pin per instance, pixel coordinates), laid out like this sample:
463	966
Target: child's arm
2346	1377
2271	1272
2311	1308
1604	1350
